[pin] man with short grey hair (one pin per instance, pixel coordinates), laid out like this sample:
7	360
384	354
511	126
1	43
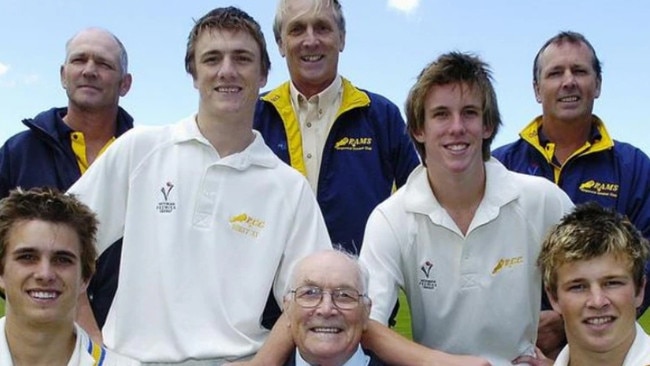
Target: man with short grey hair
328	310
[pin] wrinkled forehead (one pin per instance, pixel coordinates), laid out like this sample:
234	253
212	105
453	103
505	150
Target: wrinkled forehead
94	42
561	49
303	10
328	270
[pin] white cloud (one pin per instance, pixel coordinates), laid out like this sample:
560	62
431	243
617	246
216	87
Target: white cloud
3	68
406	6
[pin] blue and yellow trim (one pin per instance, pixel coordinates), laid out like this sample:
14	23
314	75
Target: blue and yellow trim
280	98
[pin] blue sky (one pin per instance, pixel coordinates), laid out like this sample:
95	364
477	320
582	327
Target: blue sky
388	43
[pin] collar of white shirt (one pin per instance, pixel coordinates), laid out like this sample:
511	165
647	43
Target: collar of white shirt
358	359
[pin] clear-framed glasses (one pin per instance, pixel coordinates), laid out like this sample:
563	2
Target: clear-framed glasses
312	296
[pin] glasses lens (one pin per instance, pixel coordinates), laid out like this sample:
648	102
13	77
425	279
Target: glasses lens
308	296
345	298
311	296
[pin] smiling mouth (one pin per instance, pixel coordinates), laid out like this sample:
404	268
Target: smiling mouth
457	147
228	89
312	58
43	295
601	320
327	330
569	99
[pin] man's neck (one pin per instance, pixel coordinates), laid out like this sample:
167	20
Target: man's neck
596	358
613	357
309	90
36	345
568	136
97	126
228	135
461	194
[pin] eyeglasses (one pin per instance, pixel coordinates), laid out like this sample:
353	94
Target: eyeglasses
312	296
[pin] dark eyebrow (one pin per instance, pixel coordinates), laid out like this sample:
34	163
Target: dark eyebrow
25	250
244	52
65	253
30	250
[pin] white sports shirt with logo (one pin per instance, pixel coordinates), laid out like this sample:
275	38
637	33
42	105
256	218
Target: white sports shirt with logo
205	240
475	294
85	352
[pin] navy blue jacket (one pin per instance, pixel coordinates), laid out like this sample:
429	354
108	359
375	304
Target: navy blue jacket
42	156
367	152
612	173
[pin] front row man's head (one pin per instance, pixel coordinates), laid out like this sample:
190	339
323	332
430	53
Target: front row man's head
453	100
328	308
593	267
47	254
310	34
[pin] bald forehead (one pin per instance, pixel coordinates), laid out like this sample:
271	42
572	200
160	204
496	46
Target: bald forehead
330	266
562	43
97	43
93	35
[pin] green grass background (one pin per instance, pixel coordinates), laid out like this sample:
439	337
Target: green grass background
403	325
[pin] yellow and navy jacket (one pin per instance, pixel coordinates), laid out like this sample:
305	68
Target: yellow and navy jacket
612	173
42	156
366	152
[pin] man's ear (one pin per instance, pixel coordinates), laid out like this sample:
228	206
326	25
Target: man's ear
280	46
638	298
63	82
125	84
599	83
553	300
538	96
418	135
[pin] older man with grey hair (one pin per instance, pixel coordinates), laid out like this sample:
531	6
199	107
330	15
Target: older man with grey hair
328	309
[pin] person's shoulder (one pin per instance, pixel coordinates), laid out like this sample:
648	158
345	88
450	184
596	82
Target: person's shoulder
628	151
376	99
101	354
113	359
532	183
148	134
19	140
525	184
504	151
399	205
44	120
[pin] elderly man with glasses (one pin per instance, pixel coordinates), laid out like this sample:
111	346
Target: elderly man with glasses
328	311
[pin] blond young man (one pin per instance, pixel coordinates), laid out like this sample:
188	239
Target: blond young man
593	266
